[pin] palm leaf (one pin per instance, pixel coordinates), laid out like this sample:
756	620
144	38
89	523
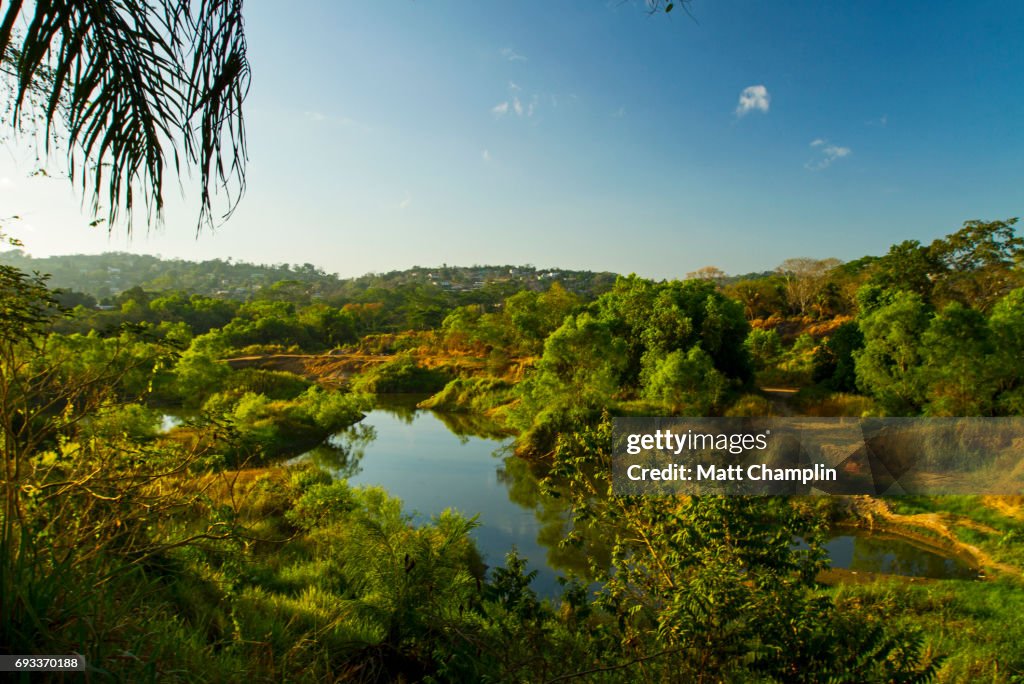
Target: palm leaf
134	85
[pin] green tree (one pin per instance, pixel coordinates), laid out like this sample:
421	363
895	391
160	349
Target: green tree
664	317
888	367
531	316
84	503
761	297
957	370
1006	324
833	361
713	589
982	260
908	266
765	347
686	381
197	375
580	370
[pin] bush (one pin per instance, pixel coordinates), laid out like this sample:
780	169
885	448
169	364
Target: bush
749	406
402	374
818	402
259	429
274	384
471	394
132	421
686	381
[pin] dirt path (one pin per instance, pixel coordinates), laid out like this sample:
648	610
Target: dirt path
781	399
930	529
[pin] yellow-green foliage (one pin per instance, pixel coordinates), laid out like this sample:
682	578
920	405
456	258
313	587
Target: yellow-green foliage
259	428
124	420
274	384
749	405
402	374
471	394
976	625
822	403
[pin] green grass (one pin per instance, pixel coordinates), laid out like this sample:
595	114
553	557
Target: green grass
976	626
970	507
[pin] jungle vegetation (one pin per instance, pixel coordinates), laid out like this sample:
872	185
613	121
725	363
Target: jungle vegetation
197	554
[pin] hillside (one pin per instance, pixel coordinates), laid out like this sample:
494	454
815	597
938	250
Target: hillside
109	274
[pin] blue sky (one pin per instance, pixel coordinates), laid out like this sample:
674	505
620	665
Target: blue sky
591	135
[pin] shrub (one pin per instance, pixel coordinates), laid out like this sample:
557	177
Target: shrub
402	374
749	406
471	394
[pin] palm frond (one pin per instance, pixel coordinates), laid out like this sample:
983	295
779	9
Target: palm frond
135	85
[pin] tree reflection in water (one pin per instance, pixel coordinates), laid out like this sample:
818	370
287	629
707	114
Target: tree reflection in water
413	461
588	549
893	556
468	425
343	451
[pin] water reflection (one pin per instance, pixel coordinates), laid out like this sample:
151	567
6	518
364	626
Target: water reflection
175	418
468	425
433	461
590	549
893	556
400	406
343	451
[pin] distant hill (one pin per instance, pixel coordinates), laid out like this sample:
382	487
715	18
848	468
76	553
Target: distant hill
107	275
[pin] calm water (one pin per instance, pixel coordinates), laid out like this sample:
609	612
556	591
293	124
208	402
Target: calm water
893	556
433	461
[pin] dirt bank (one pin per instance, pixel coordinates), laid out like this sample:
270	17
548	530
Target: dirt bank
932	530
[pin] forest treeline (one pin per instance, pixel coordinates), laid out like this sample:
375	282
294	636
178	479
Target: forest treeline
194	554
413	298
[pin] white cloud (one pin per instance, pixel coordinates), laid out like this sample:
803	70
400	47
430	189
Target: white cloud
405	202
486	155
512	56
515	105
512	85
828	154
880	121
753	98
619	113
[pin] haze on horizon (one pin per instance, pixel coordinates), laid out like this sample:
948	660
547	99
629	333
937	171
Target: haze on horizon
595	137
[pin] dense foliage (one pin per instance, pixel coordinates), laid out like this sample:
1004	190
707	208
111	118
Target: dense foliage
192	553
